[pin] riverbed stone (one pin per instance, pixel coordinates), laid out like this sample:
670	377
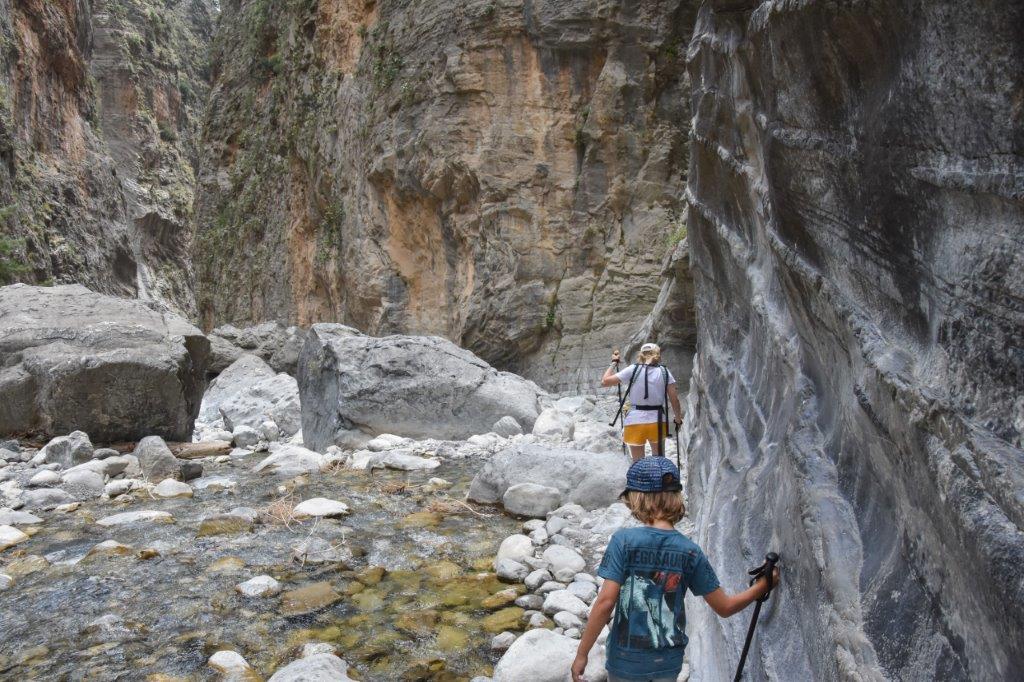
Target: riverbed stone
68	450
515	547
44	478
414	386
318	551
5	581
224	524
121	486
387	441
553	424
537	578
566	620
45	498
290	460
109	548
507	618
136	517
10	517
259	586
590	479
320	506
586	591
10	536
156	460
108	466
510	570
539	655
531	499
507	426
244	436
308	599
402	461
530	602
565	562
116	368
502	641
563	600
229	663
170	488
83	484
248	393
315	668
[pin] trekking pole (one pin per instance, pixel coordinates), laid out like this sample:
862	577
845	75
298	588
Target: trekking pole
766	569
678	465
618	389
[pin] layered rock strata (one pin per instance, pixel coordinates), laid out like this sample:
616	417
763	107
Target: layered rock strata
857	231
99	108
506	174
118	369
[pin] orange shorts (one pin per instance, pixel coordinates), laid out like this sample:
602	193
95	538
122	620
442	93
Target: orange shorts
640	434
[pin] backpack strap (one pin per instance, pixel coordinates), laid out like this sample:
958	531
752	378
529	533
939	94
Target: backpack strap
625	394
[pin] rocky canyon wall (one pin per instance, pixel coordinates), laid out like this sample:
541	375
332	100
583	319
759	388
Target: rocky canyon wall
99	108
857	231
504	173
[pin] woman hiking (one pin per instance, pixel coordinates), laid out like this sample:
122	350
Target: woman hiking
650	388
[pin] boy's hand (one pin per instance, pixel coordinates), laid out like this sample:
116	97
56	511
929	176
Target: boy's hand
579	666
615	356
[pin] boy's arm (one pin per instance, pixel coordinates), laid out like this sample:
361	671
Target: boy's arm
600	614
725	604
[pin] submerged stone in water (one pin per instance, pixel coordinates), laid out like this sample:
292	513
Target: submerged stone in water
308	599
109	548
144	516
260	586
10	536
509	618
224	524
451	639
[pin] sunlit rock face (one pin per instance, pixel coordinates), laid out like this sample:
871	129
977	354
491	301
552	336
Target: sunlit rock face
857	243
508	175
99	108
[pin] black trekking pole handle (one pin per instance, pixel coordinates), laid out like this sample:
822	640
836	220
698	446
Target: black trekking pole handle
766	569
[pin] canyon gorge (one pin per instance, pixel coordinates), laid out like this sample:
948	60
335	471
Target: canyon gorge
816	208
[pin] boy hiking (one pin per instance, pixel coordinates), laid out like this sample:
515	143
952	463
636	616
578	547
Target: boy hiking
647	571
650	388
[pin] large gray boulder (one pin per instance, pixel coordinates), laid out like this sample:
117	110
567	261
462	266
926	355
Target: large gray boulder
588	479
416	386
118	369
856	227
249	392
273	342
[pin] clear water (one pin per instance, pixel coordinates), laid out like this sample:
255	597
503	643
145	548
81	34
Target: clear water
421	618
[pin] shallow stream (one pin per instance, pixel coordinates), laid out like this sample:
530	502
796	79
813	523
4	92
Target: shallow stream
414	602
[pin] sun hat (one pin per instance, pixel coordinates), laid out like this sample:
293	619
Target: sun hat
649	347
653	475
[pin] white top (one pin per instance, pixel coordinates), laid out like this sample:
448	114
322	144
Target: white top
655	377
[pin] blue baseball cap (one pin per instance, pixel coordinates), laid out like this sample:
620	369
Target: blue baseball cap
653	475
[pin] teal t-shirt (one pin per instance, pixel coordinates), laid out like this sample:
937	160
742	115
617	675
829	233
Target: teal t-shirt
654	568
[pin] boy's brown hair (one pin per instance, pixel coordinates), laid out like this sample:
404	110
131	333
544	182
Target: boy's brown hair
651	507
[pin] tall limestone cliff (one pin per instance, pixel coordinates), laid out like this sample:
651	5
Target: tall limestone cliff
505	173
857	243
99	108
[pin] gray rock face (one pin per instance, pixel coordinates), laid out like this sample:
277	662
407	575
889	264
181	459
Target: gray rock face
517	180
279	346
857	239
416	386
586	478
248	392
116	369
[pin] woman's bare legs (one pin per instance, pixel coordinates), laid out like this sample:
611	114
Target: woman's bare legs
637	451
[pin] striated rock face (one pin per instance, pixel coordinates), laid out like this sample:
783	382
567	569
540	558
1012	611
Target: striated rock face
506	174
99	105
857	233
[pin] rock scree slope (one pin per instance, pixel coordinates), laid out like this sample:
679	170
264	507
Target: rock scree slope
857	244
